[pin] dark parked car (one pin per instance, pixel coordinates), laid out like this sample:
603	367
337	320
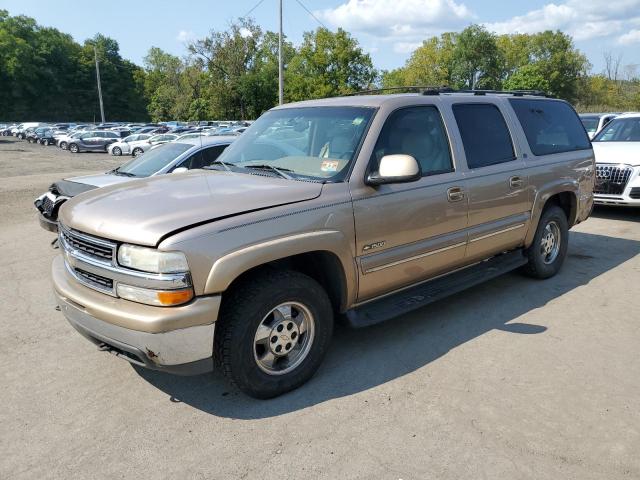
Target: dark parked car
42	135
93	141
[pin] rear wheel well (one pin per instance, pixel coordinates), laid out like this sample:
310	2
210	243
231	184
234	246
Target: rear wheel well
323	266
567	201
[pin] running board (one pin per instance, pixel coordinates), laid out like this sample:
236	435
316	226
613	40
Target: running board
416	297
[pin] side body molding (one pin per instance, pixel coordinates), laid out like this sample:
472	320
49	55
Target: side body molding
229	267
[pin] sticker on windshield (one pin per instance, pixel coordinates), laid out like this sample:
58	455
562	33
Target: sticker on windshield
329	166
357	121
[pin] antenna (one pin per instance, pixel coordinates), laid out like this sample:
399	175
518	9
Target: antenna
280	72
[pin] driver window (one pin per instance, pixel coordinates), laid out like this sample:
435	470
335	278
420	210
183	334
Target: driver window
210	155
195	159
419	132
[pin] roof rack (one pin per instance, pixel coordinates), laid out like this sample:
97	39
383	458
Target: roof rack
431	90
409	88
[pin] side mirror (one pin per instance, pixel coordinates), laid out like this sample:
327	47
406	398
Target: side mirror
180	170
395	169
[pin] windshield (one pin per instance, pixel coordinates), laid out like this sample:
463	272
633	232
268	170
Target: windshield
154	160
590	123
315	142
620	130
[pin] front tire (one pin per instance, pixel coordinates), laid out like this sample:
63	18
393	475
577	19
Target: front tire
549	248
273	333
73	148
137	151
117	151
63	145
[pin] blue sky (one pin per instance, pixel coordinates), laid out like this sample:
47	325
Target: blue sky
388	29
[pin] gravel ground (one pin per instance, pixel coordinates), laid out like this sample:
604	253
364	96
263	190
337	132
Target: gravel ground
514	379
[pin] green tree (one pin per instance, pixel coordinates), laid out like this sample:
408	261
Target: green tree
229	57
429	65
328	64
46	75
547	59
162	83
476	61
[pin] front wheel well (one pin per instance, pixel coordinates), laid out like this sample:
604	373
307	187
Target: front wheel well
323	266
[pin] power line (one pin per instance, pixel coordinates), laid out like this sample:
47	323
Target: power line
311	13
254	7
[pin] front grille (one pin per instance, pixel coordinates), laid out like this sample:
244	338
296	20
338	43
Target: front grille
91	248
47	206
611	179
94	280
635	193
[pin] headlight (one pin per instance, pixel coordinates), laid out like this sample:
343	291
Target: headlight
152	260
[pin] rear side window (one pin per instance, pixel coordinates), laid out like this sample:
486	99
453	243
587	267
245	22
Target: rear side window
484	133
550	126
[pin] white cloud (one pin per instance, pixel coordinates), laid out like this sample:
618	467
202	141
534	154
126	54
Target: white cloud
632	36
397	18
185	36
245	32
583	19
405	47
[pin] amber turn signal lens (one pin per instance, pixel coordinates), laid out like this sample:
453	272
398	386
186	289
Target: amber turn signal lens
175	297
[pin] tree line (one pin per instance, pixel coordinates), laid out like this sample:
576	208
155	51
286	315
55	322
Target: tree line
233	74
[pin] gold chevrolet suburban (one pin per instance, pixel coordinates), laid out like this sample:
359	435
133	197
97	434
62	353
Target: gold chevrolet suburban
360	208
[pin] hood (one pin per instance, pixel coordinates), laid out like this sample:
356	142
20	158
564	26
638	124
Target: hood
146	210
100	180
617	152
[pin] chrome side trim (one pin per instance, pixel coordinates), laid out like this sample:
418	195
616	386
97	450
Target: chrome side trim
415	257
504	230
401	289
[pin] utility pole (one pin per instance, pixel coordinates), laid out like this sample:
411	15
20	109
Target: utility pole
95	52
280	72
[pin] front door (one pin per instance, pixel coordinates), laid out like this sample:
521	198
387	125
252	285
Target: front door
408	232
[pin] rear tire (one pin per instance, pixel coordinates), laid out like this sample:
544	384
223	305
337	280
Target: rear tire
63	145
273	333
549	248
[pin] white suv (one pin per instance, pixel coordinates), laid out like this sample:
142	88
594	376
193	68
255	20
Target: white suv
617	151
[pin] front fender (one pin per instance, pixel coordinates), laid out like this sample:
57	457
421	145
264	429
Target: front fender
229	267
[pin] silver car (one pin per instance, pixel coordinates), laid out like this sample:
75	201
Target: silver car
174	157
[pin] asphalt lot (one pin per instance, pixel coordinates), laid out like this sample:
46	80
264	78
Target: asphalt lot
516	379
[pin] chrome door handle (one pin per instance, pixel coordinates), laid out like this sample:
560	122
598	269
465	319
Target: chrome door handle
455	194
516	182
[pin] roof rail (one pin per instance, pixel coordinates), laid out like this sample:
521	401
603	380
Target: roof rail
515	93
433	90
411	88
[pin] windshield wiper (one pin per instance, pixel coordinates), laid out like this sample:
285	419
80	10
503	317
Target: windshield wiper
117	171
279	171
218	162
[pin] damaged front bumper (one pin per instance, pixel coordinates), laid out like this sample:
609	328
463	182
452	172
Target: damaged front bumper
173	339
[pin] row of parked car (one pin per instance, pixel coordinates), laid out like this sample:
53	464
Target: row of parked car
616	143
133	139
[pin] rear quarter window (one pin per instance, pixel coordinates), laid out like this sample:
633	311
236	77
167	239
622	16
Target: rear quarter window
550	126
485	136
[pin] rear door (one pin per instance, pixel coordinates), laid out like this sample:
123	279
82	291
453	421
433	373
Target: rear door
408	232
499	206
